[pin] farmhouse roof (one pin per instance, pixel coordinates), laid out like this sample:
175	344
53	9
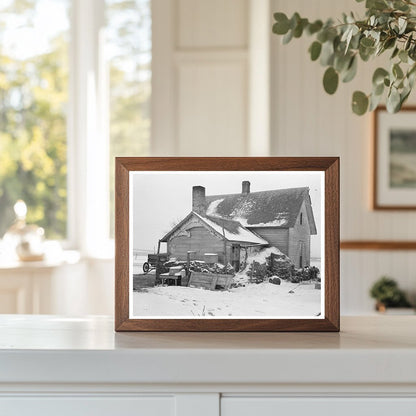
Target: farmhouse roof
233	230
275	208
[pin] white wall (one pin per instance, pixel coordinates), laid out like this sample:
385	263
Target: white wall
211	72
308	122
202	84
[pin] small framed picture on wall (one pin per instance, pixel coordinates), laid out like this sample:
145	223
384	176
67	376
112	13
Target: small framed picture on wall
227	244
394	177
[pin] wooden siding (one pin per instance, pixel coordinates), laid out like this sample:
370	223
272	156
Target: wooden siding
277	237
300	240
210	280
201	241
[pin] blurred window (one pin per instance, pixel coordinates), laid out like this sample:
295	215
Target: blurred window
129	46
33	101
35	94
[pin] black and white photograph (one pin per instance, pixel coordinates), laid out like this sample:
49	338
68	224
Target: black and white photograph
227	244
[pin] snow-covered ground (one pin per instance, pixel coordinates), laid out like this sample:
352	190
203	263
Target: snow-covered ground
264	299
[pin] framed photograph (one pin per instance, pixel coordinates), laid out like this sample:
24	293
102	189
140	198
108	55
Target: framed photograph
227	244
394	159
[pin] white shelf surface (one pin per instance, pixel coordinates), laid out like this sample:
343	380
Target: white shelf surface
53	349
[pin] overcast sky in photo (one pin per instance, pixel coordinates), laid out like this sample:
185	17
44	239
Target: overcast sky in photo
162	199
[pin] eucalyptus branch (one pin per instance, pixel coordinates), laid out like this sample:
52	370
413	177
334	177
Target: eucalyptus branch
389	25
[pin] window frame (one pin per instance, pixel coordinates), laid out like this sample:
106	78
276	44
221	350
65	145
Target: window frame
88	133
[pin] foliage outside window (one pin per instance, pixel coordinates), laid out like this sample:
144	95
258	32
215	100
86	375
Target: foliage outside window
34	85
33	101
129	51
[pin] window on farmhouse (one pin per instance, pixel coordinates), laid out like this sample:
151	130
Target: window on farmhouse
33	102
129	49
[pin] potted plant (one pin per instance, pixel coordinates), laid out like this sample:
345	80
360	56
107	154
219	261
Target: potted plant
389	27
387	294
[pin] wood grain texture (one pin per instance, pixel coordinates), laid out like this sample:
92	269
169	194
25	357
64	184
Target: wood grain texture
330	165
332	225
378	245
121	244
376	204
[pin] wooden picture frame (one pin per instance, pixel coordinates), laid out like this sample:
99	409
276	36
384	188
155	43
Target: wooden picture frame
390	191
130	167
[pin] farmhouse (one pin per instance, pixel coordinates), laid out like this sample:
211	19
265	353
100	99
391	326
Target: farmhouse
233	224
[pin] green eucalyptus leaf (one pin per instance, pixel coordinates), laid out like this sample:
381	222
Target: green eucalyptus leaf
322	35
315	50
394	26
332	33
389	43
412	70
411	78
348	35
342	62
351	18
379	75
387	24
298	30
355	41
404	96
327	54
288	37
402	22
338	44
395	52
393	101
330	80
367	42
408	42
314	27
399	85
359	103
376	4
374	102
366	53
351	71
378	89
403	56
400	5
397	71
295	20
281	27
412	52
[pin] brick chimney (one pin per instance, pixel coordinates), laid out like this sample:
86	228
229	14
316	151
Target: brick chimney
245	187
198	200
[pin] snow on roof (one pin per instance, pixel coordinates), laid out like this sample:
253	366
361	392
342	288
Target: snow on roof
212	207
262	255
233	231
275	208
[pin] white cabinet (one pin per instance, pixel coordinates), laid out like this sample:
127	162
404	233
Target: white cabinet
68	286
50	365
87	406
325	406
